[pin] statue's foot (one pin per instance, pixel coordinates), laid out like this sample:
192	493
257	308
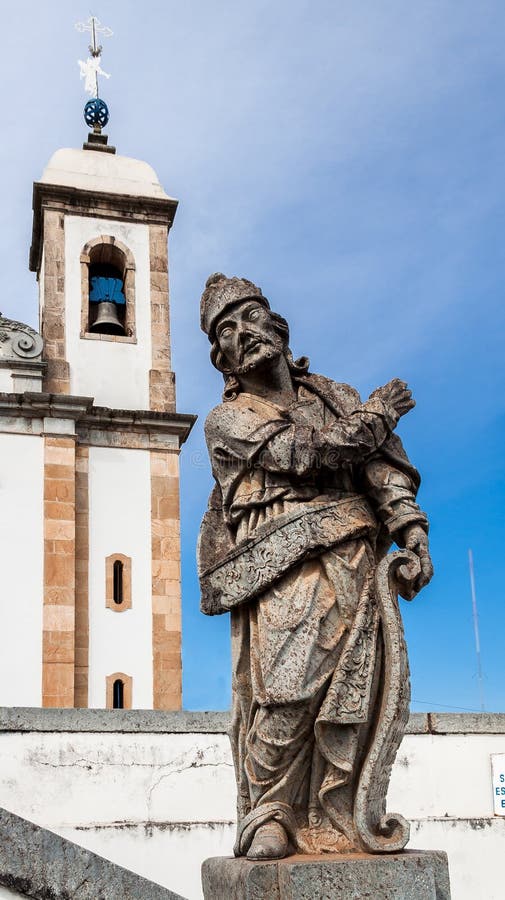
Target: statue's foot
269	842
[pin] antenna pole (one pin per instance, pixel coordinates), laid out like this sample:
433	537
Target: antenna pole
476	630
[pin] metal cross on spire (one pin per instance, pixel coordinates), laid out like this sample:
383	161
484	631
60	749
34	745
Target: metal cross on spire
91	69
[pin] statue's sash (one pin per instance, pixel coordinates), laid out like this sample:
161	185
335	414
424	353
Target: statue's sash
279	544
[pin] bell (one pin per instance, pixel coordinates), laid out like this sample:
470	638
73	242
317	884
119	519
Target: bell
107	320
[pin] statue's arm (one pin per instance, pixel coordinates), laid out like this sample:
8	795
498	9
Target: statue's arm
246	434
359	432
393	493
392	489
301	448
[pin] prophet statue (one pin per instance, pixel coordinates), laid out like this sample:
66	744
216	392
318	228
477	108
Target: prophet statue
312	490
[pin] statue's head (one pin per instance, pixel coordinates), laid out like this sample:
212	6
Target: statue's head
244	332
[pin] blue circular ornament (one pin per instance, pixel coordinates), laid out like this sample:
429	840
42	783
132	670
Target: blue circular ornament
96	112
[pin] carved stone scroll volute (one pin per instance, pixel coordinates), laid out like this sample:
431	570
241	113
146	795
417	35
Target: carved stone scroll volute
381	832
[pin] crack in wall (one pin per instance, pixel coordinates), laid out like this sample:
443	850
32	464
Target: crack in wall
184	762
36	758
197	763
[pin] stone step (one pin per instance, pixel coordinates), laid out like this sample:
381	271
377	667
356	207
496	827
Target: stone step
37	863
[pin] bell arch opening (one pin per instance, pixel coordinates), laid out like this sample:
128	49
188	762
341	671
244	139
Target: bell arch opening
107	301
108	290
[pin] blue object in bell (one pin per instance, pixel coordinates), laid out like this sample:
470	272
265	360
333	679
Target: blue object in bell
96	112
106	290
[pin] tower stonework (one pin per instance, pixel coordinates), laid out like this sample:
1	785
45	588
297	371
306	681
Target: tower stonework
92	417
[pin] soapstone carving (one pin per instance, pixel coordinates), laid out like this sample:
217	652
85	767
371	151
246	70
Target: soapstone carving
312	489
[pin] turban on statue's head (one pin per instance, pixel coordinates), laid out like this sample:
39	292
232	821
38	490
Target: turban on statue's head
220	293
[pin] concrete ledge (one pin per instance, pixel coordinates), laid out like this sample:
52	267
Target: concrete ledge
137	721
418	724
466	723
37	863
134	721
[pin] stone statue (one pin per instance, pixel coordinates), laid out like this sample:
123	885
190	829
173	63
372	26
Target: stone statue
312	489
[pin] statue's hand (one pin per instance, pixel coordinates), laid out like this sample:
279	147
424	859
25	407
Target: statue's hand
396	396
414	538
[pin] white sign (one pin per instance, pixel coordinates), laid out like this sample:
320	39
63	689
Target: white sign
498	774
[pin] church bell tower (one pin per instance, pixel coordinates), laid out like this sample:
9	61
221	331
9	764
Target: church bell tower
97	400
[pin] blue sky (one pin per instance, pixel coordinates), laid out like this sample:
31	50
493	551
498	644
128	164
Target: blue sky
349	157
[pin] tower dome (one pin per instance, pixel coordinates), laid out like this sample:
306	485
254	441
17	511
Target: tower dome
89	170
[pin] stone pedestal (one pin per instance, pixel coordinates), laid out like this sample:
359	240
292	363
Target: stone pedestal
410	875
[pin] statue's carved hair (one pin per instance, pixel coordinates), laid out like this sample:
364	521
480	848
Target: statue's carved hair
232	387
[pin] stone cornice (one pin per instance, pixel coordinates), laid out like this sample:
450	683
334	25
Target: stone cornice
25	365
37	404
139	420
32	404
77	201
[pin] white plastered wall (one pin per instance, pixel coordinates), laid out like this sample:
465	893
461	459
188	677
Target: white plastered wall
120	522
115	374
160	804
21	568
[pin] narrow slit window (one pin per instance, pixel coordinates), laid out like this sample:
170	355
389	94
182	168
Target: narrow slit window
118	582
118	691
118	694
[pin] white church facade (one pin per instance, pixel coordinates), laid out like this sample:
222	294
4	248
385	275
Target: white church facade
90	438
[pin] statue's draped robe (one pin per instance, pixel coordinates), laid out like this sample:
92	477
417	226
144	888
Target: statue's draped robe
307	650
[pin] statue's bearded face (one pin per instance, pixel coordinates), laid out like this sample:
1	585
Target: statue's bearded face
247	337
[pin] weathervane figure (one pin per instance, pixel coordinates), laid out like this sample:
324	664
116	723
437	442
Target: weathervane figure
91	69
96	112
